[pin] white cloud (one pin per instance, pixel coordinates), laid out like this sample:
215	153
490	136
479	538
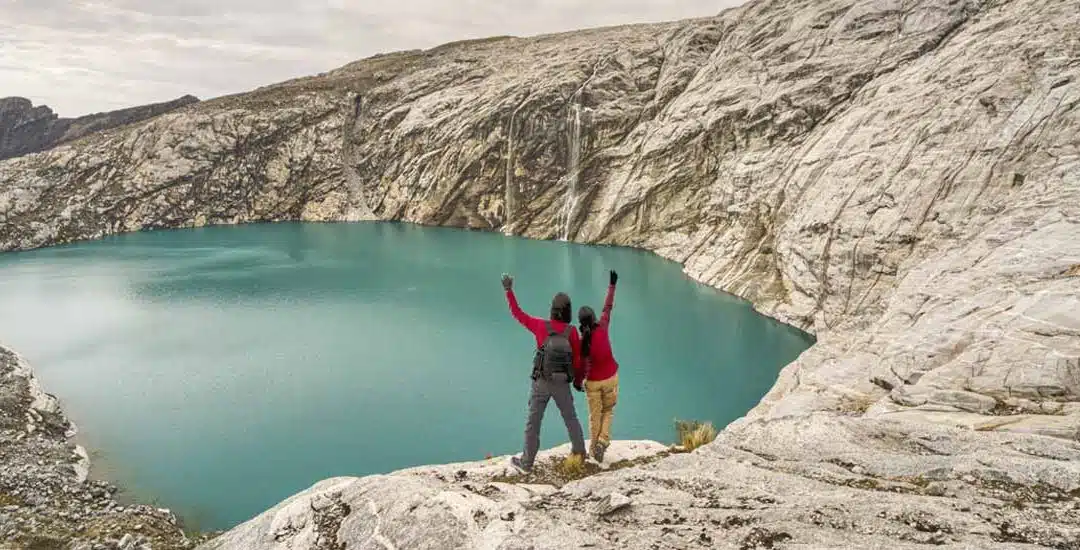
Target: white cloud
81	56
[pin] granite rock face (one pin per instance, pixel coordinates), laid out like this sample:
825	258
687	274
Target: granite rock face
900	178
26	129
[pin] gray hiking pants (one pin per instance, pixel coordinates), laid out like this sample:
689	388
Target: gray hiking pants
558	388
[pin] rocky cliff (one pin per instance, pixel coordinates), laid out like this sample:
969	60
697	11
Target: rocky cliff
900	177
26	129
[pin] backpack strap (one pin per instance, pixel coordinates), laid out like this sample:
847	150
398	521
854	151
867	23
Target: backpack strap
570	367
550	330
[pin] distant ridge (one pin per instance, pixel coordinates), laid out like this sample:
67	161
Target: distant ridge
26	129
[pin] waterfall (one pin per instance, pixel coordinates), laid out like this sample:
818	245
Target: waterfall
509	200
573	168
357	205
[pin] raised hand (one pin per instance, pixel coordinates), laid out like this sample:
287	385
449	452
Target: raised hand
507	282
614	277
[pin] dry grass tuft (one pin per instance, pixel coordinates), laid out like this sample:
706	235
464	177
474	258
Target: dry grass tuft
559	472
572	466
856	404
8	500
693	434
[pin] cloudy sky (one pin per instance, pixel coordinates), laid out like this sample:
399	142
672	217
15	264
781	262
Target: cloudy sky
82	56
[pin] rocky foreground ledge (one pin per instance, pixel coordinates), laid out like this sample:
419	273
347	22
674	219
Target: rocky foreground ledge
822	481
815	481
46	500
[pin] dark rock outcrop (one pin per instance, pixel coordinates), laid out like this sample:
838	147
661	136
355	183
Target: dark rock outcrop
26	129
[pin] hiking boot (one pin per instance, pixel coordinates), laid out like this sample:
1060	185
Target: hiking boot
594	450
519	466
598	453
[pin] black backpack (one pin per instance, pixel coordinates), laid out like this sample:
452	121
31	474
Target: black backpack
555	355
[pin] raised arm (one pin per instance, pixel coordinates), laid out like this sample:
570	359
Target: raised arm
609	300
525	319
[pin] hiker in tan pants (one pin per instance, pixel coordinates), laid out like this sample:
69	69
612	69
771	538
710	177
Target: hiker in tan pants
602	396
601	371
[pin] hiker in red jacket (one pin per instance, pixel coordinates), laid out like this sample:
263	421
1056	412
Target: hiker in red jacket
555	365
601	371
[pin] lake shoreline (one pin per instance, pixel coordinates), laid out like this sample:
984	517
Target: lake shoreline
46	499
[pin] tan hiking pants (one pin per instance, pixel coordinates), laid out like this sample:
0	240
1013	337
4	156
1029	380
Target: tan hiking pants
602	395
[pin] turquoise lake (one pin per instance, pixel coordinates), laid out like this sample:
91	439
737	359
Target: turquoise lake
220	370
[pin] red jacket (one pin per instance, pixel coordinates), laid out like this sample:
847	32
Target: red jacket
601	364
538	327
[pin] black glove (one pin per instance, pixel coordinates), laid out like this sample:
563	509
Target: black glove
507	282
614	277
